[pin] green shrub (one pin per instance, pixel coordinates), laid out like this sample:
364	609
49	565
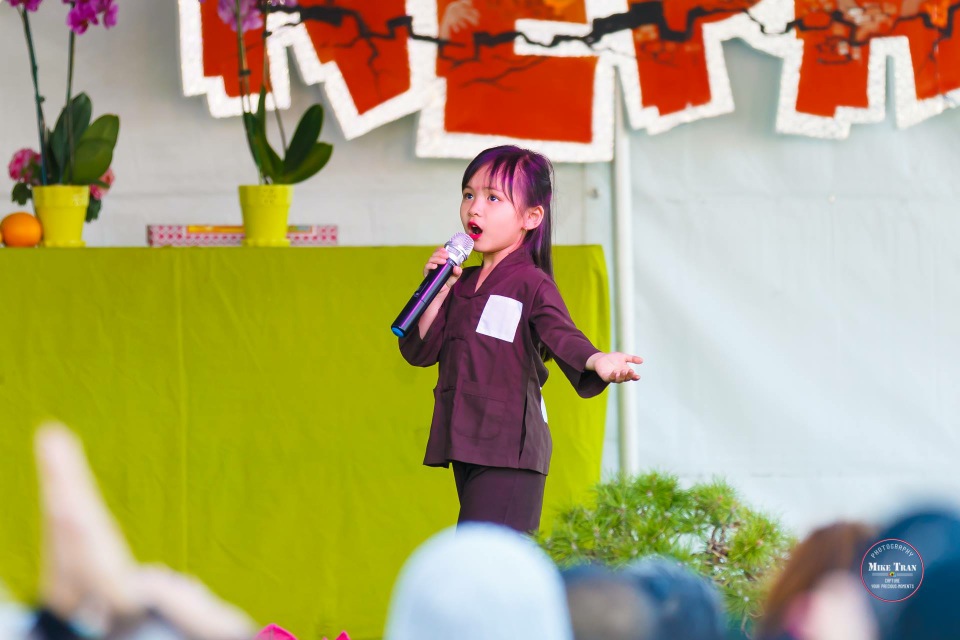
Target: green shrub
706	527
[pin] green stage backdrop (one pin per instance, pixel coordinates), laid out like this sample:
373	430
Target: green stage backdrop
249	416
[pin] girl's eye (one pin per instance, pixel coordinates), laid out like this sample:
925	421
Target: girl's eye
468	196
494	198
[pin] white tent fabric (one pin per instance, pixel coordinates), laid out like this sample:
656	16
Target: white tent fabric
799	309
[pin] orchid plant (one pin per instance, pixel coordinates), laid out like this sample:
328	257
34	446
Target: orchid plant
305	155
77	151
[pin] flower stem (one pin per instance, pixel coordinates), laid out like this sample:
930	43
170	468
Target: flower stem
68	169
266	79
41	123
244	79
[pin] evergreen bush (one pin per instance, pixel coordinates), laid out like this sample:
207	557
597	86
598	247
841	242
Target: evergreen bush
705	527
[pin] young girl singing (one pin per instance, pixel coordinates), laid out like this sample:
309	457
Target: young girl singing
491	328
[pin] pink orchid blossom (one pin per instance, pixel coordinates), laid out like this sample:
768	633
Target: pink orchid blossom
96	191
25	166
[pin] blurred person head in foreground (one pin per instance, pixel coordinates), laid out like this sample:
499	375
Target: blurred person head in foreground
606	605
478	582
686	606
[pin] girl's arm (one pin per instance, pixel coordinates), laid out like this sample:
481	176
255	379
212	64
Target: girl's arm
421	348
438	259
430	313
588	369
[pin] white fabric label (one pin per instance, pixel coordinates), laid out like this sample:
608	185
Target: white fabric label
500	318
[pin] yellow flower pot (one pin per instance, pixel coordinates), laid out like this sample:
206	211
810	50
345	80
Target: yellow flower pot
62	210
265	208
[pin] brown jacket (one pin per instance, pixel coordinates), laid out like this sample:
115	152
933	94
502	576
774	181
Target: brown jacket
488	408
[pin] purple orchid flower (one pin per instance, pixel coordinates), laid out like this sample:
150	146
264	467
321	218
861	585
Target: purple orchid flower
81	16
108	12
251	17
29	5
84	13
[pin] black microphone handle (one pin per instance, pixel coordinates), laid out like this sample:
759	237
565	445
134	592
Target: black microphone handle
421	299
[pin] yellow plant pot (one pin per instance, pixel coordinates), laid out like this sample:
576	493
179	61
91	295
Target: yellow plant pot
265	208
62	210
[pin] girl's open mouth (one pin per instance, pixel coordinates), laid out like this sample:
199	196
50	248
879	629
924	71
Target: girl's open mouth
474	231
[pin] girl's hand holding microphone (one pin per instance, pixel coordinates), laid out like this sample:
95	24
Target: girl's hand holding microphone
426	301
438	259
615	366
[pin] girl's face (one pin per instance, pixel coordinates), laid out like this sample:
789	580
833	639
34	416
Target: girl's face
491	219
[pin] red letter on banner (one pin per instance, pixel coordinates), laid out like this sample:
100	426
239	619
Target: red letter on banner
834	72
492	91
354	34
374	62
671	58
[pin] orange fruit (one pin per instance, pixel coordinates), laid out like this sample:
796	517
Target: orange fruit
21	229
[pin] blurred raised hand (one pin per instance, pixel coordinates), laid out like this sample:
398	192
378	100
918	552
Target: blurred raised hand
88	571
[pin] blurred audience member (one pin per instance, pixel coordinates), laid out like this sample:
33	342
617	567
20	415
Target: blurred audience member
90	584
605	605
793	601
929	613
687	606
481	582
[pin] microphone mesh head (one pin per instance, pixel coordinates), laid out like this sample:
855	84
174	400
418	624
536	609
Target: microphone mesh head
459	248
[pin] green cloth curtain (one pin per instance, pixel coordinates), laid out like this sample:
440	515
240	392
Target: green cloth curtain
250	418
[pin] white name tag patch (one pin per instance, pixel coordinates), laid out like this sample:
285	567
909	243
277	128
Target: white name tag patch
500	318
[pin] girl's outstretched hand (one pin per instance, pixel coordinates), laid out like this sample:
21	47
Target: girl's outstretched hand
614	367
438	259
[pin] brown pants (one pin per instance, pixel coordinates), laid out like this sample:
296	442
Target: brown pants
511	497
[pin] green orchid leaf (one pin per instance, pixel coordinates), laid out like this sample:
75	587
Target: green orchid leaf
91	159
250	128
306	135
267	160
106	128
80	111
93	209
53	167
316	159
21	193
262	109
94	151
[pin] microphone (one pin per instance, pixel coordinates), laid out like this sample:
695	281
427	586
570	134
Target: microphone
458	248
